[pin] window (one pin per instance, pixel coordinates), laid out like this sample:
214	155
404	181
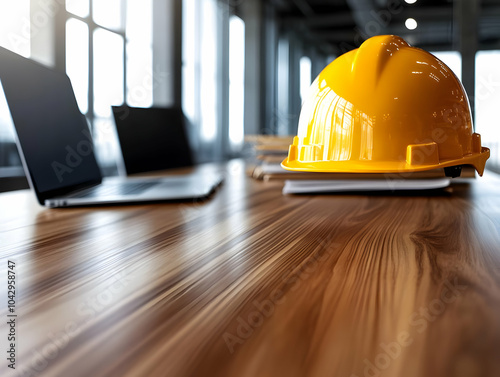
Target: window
236	82
283	118
15	31
208	70
6	126
200	72
77	60
453	59
109	58
487	98
305	76
15	26
213	77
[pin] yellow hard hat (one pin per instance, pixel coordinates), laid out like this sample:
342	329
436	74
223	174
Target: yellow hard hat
386	107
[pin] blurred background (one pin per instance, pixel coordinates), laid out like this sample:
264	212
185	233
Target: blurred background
237	67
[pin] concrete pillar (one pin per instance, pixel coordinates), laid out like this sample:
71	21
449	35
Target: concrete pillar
251	12
167	52
466	13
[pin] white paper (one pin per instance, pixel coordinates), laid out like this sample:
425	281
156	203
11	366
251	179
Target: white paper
313	186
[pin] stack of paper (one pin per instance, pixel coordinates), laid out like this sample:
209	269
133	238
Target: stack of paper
266	151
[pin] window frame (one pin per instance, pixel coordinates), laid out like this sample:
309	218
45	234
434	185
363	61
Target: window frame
92	27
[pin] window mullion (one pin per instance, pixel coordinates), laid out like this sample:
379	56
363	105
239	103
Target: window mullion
91	110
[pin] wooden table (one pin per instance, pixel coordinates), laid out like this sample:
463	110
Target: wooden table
254	283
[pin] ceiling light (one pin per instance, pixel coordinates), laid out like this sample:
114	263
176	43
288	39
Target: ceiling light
410	1
411	24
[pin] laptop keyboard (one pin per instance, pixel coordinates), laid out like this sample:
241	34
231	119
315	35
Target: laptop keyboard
125	188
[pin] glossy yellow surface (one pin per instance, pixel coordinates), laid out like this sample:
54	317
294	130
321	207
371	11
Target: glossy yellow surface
385	107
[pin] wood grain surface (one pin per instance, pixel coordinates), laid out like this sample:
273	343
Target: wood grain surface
254	283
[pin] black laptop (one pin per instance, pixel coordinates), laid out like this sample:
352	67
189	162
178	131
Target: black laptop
153	138
56	145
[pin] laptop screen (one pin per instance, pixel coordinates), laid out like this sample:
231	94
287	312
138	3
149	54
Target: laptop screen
52	133
152	138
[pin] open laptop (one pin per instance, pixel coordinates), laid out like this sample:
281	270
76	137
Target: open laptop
56	146
162	129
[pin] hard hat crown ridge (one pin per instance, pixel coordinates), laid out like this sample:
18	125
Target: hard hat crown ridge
385	107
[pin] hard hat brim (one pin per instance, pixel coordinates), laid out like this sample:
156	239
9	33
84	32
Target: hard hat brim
477	160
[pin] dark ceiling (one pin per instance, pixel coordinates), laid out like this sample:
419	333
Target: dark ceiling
336	26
